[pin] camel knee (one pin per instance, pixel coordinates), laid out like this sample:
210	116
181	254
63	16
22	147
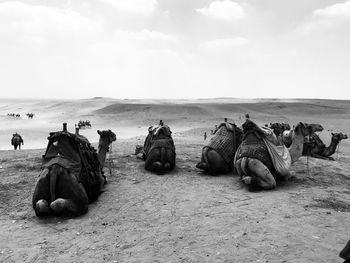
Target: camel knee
262	175
268	185
154	166
202	165
42	208
60	206
167	166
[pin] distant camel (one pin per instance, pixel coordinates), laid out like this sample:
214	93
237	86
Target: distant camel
30	115
317	149
16	141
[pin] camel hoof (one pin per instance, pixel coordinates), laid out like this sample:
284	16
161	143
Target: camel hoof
157	166
58	205
42	208
166	167
247	180
202	166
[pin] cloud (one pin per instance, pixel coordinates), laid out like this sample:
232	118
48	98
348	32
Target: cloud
223	10
339	10
145	35
334	18
20	22
141	7
224	43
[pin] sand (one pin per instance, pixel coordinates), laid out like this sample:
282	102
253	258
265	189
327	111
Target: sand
183	216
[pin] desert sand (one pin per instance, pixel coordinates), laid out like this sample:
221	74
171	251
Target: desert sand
183	216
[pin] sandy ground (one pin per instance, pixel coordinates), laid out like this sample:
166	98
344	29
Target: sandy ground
184	216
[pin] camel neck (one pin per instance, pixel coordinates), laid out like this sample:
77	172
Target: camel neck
296	148
102	152
328	151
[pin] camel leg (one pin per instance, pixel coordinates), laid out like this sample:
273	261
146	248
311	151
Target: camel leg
72	198
217	164
41	196
345	253
202	164
169	160
153	161
239	169
261	175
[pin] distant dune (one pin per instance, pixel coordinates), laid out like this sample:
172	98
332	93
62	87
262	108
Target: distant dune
130	118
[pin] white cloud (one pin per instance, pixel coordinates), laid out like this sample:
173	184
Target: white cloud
341	10
223	10
21	22
145	35
142	7
224	43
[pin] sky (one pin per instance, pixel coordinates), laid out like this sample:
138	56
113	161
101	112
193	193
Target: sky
181	49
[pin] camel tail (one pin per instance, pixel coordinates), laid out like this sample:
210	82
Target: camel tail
55	169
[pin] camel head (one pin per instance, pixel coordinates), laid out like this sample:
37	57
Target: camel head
307	129
279	128
138	149
338	136
106	137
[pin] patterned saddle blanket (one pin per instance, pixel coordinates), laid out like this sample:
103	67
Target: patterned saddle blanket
262	144
223	142
162	143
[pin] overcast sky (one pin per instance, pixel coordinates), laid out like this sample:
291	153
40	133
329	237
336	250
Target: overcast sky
175	48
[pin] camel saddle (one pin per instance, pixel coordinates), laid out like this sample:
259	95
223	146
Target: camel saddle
262	144
74	153
223	142
158	137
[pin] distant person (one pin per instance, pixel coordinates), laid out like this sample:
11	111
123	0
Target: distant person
225	120
205	135
161	123
216	129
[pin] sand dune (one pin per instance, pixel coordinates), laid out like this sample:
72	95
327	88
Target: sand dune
130	118
184	216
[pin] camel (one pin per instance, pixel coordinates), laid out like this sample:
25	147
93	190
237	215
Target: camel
30	115
253	160
317	149
16	141
345	253
72	174
159	149
218	154
279	128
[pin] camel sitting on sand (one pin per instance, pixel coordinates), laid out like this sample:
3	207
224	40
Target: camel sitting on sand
317	149
72	174
159	149
279	128
259	161
218	154
17	141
